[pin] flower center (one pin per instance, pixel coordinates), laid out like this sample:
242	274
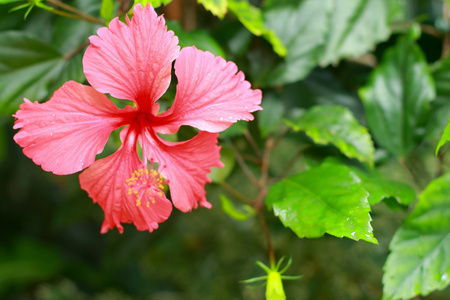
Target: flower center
146	185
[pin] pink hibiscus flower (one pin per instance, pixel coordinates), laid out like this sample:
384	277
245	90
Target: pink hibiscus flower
133	61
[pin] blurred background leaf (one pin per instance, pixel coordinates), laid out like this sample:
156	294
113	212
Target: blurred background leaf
323	32
28	68
400	90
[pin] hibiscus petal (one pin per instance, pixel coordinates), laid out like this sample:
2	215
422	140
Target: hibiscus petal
210	95
65	134
185	165
107	183
132	62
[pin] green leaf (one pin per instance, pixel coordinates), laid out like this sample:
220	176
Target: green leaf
218	175
198	38
27	69
336	125
251	17
216	7
397	98
419	262
440	107
327	199
301	26
380	187
230	210
322	32
107	10
355	27
9	1
444	138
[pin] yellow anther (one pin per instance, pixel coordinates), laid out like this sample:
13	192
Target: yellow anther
145	185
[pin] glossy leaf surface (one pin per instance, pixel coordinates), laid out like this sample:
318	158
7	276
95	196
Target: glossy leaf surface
379	187
327	199
336	125
397	98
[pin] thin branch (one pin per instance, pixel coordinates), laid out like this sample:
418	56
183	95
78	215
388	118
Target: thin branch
428	29
259	202
440	171
252	143
80	14
251	158
446	42
263	181
243	165
236	193
410	171
281	136
76	50
290	164
267	235
66	14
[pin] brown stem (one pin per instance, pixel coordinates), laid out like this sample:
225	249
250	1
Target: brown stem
243	165
290	163
81	15
66	14
259	202
189	15
251	158
440	171
267	235
411	172
281	136
252	143
124	7
174	10
236	193
446	42
76	50
428	29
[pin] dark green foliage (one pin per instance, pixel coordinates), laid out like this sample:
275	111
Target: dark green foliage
355	102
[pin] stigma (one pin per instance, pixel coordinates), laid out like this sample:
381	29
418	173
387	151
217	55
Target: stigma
146	186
